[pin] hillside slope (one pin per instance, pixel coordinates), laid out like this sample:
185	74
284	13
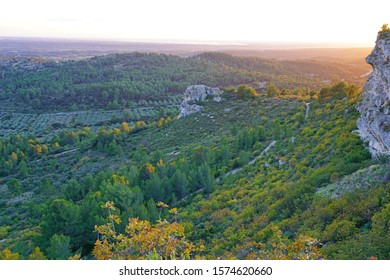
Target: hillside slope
122	81
269	208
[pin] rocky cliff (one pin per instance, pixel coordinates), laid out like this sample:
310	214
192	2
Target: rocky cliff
194	94
374	123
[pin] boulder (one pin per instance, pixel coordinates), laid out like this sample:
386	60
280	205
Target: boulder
197	93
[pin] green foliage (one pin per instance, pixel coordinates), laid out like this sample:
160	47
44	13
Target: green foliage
37	254
385	28
59	248
272	90
15	187
23	169
180	184
62	217
339	230
142	240
6	254
204	178
136	154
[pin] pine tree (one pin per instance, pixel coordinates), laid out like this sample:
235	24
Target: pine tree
59	248
23	169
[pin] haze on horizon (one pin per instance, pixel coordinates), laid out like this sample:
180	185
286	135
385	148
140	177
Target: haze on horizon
349	23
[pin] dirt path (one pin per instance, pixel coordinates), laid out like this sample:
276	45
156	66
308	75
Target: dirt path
252	161
66	152
234	171
307	110
366	75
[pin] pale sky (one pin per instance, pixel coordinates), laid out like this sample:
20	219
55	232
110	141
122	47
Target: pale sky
322	21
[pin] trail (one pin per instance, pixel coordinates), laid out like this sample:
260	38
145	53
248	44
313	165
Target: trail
252	161
307	110
66	152
234	171
366	75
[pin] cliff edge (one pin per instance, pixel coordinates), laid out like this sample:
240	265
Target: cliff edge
374	122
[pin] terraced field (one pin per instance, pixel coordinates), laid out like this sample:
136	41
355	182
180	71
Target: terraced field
44	125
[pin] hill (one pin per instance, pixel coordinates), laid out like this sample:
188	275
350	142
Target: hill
121	81
250	176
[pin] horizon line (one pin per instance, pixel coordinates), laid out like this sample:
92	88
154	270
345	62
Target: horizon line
237	43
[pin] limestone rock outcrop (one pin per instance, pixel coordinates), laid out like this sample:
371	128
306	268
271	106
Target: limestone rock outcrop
374	122
194	94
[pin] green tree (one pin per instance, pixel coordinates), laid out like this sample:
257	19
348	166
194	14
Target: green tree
152	209
205	178
46	187
62	217
14	187
339	230
73	191
272	90
153	188
59	248
277	130
180	184
23	169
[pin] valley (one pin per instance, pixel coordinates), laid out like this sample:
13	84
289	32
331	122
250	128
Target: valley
92	150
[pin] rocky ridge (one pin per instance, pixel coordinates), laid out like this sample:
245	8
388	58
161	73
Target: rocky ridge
374	122
197	93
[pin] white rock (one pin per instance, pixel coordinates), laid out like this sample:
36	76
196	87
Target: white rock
374	122
193	94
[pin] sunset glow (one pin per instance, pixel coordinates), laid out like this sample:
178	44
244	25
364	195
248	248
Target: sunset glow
331	21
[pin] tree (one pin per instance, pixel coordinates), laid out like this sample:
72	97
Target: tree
126	114
6	254
277	130
152	210
37	254
37	149
142	240
113	148
46	187
385	28
205	178
201	155
59	248
246	92
180	183
14	157
73	191
339	230
14	187
23	169
62	217
146	171
125	127
272	90
153	188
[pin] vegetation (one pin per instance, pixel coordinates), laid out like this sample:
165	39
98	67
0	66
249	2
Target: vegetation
163	240
384	32
128	81
250	177
385	28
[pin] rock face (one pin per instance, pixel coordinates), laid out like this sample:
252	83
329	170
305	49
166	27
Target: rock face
374	123
197	93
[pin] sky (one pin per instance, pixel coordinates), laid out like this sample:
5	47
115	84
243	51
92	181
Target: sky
317	21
